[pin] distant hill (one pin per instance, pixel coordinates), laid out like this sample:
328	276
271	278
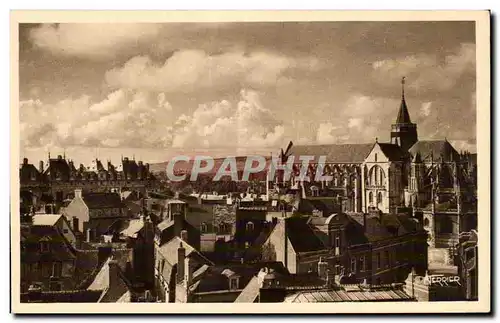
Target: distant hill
184	167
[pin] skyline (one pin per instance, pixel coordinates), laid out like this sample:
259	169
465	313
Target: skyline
89	87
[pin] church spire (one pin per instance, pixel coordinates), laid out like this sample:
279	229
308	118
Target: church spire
403	114
403	131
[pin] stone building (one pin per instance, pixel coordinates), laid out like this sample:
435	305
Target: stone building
429	178
56	179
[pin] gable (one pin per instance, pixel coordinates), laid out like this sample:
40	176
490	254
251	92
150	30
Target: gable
376	155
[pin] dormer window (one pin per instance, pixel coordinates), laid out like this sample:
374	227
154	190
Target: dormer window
44	246
234	283
57	269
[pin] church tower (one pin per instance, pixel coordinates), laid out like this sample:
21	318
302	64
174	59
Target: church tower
403	131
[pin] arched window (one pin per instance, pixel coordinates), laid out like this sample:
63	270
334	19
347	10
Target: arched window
426	222
379	197
376	176
370	198
446	225
222	228
204	227
250	226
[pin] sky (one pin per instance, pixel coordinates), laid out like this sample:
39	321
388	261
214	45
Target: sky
156	90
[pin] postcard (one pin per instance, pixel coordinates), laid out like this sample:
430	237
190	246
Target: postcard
231	161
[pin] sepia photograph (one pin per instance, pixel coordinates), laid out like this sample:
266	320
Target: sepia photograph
250	158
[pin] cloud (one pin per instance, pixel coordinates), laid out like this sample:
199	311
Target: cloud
361	118
145	119
425	110
124	118
428	71
91	40
194	70
223	124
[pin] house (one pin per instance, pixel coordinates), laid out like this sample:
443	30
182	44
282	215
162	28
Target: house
294	242
115	285
48	252
271	285
381	248
96	214
140	236
175	224
170	267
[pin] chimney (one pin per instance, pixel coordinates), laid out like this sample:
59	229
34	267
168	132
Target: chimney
76	224
78	193
188	273
149	230
88	236
181	257
184	235
114	274
178	224
322	268
103	253
40	167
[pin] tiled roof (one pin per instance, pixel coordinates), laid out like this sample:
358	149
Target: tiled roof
74	296
110	294
250	292
169	251
434	149
321	296
133	228
345	153
102	200
45	219
60	248
392	151
301	235
198	214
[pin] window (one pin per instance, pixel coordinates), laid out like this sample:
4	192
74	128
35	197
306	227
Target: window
376	155
353	264
378	260
46	270
446	225
56	269
379	197
44	246
426	222
233	283
337	242
370	198
204	228
362	263
55	286
250	226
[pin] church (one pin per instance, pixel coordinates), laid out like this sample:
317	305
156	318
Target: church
428	179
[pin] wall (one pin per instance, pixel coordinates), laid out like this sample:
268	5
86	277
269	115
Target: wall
78	209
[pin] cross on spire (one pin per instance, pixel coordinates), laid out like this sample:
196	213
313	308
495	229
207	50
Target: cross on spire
403	86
